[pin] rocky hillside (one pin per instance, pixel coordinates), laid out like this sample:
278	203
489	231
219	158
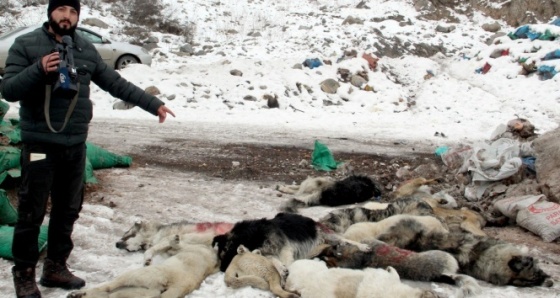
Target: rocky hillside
513	12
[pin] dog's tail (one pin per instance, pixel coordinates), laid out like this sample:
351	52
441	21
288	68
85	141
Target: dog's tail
292	206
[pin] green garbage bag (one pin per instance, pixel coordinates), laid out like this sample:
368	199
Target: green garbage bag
7	235
322	158
14	173
102	159
88	175
9	158
4	107
10	132
8	214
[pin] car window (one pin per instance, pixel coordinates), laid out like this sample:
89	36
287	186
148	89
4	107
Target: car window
94	38
11	33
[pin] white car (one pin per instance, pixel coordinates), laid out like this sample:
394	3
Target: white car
115	54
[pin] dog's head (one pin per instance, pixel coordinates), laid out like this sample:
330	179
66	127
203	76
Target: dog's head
138	237
249	233
525	272
220	242
228	246
341	255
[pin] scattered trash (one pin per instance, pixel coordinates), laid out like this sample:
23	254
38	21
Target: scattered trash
484	69
322	158
541	218
529	162
511	206
312	63
441	150
372	61
546	72
552	55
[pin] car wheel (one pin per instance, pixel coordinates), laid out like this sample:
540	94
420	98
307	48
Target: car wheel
126	60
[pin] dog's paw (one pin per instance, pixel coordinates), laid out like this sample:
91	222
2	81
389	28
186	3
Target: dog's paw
391	270
364	247
549	282
76	294
147	262
284	276
282	270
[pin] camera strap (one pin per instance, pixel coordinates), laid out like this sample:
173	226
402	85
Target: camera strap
68	113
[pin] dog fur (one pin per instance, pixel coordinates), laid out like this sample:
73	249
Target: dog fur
468	220
479	256
313	279
286	237
433	265
168	247
413	188
175	277
339	220
315	191
484	258
424	266
145	234
252	269
400	227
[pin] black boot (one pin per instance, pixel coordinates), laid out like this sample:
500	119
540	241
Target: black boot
57	275
24	282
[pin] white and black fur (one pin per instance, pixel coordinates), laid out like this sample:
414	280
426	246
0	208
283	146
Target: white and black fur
286	237
339	220
315	191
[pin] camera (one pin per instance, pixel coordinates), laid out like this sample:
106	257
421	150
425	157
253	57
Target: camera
66	85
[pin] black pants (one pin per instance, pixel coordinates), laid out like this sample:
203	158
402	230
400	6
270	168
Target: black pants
48	169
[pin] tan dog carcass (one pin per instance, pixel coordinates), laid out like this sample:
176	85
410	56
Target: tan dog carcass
191	262
255	270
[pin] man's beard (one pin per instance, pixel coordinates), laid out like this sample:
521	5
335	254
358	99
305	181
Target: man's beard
61	31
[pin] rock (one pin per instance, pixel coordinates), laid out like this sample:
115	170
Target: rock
358	81
547	164
122	105
186	48
152	90
350	20
250	98
150	46
492	38
330	86
95	22
152	39
492	27
445	29
236	72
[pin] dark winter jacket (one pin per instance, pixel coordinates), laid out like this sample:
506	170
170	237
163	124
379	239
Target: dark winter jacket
25	81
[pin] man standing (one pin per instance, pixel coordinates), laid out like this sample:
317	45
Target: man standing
54	117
